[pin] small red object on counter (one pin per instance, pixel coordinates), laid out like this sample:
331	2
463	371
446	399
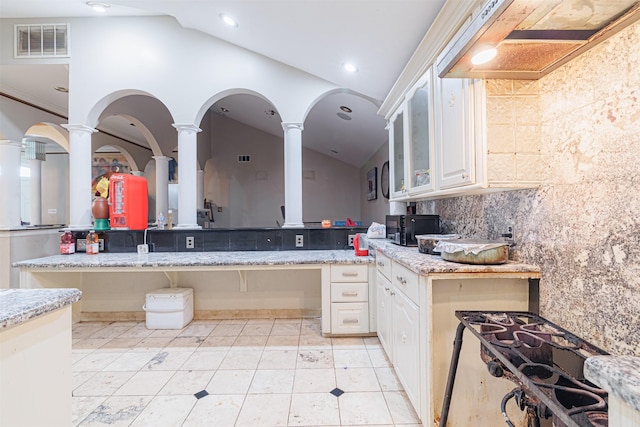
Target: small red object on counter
356	246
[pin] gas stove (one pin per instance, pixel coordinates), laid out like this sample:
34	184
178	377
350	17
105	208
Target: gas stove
544	361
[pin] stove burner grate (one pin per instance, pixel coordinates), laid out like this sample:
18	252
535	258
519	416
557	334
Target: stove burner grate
544	360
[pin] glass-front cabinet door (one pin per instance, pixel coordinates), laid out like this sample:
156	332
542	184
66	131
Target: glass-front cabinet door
421	137
396	132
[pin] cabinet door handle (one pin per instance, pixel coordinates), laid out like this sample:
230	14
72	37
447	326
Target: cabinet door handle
402	280
386	289
465	176
381	264
350	321
404	337
350	294
350	273
392	293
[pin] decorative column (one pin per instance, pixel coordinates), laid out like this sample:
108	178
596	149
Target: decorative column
162	185
9	184
80	196
200	191
36	153
293	175
187	182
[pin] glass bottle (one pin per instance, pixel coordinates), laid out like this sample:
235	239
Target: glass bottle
92	246
67	243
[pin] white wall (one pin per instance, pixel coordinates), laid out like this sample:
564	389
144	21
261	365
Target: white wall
251	193
374	210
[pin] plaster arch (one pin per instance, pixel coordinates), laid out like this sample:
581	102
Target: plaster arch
144	130
127	155
329	92
93	116
49	131
225	93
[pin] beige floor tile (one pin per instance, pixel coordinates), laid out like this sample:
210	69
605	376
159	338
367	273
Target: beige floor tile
232	322
257	329
145	383
187	382
227	330
254	342
357	379
364	408
351	359
215	410
278	359
78	378
265	322
95	361
311	359
168	360
314	380
153	343
285	342
166	411
241	359
318	409
291	329
378	357
103	383
111	331
121	344
138	331
264	410
235	381
204	360
212	342
84	330
314	342
132	361
343	343
372	342
186	343
77	355
116	411
81	406
197	330
388	379
400	407
165	333
90	343
272	381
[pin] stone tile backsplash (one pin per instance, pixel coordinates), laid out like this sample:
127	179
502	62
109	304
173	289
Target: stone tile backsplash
582	225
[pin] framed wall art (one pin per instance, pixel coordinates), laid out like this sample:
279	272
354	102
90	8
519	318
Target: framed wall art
372	184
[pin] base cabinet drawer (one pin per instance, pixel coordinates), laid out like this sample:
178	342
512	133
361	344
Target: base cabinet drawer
349	317
349	292
349	273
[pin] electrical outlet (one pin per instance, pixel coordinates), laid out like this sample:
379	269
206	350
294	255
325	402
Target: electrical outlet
143	249
101	245
509	235
299	240
190	242
350	241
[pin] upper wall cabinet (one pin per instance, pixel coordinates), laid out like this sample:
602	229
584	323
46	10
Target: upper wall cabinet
412	133
464	136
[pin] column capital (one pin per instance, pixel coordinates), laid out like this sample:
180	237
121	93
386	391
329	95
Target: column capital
187	127
160	158
79	128
292	125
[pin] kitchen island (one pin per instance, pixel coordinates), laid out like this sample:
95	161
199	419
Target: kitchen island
35	356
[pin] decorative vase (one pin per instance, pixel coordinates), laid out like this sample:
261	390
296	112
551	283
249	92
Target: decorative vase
100	208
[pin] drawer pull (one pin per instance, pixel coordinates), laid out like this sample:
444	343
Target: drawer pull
386	289
350	321
402	280
381	264
350	273
350	294
392	293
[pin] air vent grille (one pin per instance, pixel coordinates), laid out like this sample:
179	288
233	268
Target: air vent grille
41	40
244	158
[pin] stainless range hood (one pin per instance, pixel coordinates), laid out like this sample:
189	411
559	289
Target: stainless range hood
533	37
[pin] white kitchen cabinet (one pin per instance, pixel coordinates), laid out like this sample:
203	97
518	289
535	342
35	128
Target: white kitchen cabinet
406	354
455	141
384	309
349	293
397	156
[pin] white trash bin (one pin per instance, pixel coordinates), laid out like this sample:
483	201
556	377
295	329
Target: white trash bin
169	308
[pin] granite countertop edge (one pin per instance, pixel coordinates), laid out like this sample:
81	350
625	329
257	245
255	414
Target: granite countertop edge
195	259
618	375
432	264
21	305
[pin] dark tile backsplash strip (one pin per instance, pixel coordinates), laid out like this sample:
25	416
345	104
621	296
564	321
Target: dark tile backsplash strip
228	240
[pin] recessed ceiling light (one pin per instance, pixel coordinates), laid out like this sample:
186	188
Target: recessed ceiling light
344	116
334	151
224	110
346	109
61	89
270	113
228	20
349	67
98	6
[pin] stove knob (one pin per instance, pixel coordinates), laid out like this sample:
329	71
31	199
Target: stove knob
495	368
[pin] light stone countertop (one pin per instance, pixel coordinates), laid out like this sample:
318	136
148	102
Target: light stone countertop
432	264
195	259
618	375
18	306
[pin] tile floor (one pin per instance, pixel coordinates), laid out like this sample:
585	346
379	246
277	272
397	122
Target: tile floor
259	372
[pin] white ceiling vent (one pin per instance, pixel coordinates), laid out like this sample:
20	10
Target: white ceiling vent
41	40
244	158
